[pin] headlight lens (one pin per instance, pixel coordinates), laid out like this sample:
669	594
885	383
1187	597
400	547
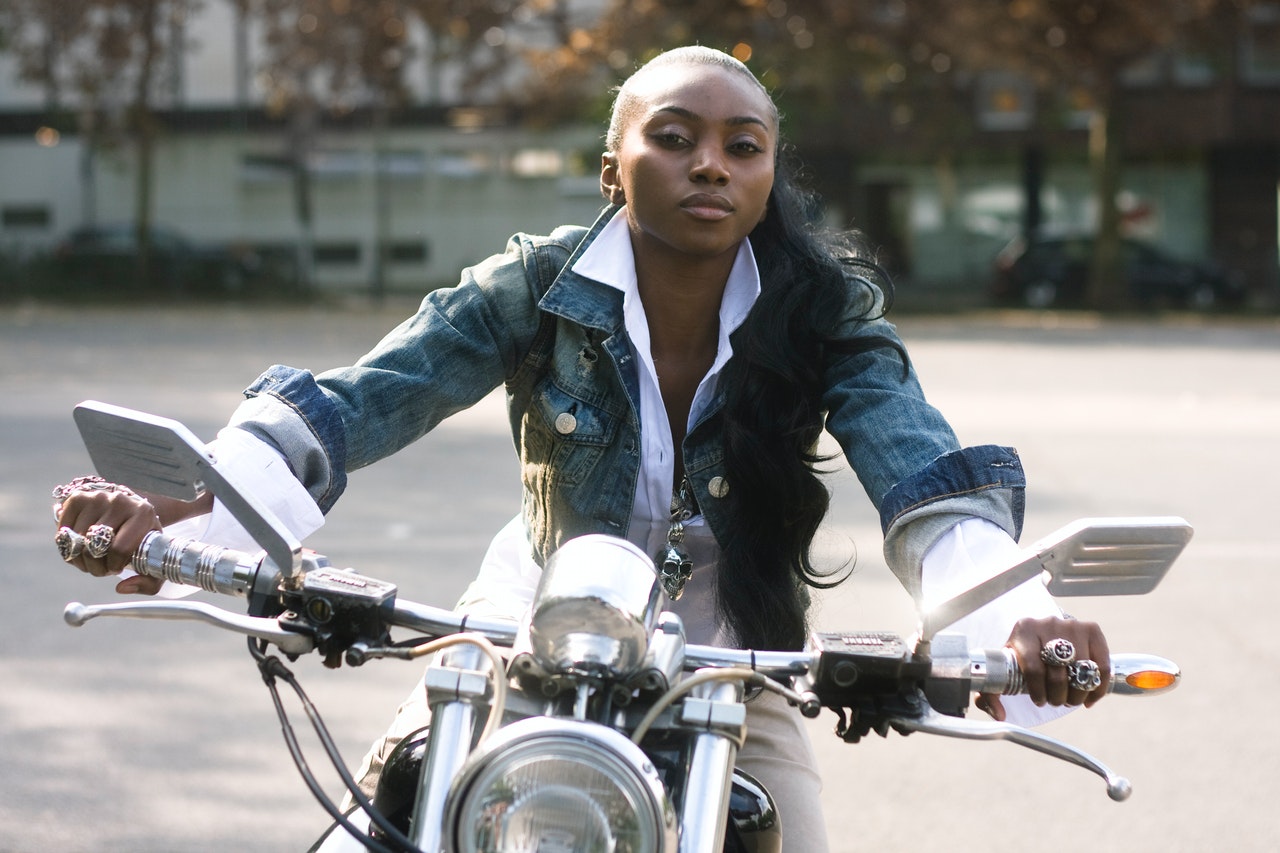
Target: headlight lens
559	787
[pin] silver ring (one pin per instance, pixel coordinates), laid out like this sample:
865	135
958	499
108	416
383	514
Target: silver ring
91	483
1058	652
1085	675
70	544
97	540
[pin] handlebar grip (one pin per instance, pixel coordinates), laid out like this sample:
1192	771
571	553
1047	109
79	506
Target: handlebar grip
209	567
997	671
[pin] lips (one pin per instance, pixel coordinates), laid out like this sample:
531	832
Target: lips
707	205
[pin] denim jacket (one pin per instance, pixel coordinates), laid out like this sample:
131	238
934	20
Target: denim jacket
556	340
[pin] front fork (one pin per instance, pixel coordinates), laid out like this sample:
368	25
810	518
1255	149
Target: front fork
717	710
457	685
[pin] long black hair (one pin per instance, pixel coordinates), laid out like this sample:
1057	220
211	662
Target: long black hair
812	283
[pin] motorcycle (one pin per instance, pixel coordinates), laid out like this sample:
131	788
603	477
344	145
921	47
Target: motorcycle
592	724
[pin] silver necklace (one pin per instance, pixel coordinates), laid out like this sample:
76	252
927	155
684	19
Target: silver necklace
675	567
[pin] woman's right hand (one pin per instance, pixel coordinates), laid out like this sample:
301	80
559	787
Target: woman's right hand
88	502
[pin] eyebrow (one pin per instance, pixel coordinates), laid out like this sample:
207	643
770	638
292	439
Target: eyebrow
690	114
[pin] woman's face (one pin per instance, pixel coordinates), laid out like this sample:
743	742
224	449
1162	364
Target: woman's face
694	161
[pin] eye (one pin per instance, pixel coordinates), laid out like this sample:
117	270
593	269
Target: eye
669	138
746	147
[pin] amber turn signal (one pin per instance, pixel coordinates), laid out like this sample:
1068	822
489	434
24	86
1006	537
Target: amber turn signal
1148	680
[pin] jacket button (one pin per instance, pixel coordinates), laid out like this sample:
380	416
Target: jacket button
566	423
718	486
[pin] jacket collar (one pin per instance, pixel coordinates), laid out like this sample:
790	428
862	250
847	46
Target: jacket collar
581	299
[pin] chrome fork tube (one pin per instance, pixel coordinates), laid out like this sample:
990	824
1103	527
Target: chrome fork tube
453	722
705	810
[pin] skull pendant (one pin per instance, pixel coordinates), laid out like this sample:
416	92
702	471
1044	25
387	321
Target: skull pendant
674	568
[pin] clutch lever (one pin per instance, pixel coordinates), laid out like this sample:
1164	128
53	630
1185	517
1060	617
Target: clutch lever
930	721
260	627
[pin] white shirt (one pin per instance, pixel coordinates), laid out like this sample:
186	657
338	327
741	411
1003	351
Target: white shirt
508	576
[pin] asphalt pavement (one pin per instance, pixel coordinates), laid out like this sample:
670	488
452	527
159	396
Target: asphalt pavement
159	736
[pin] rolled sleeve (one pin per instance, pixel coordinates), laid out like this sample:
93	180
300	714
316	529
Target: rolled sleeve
287	410
983	482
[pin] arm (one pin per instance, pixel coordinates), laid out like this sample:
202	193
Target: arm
462	343
1024	618
930	492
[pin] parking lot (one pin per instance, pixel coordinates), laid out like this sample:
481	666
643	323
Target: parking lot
158	736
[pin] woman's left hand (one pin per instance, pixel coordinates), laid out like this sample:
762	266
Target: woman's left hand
1054	683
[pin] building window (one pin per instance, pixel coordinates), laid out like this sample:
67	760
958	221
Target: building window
1260	56
1194	68
26	216
407	252
335	254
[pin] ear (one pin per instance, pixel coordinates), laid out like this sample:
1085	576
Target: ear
610	180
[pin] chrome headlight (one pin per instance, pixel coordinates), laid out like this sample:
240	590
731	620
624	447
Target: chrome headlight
596	607
559	786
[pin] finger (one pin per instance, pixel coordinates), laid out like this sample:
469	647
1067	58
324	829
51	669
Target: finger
991	704
1045	684
1026	643
139	584
131	520
1092	649
1056	685
1100	651
83	512
128	515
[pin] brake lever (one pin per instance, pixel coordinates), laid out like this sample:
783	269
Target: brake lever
270	630
930	721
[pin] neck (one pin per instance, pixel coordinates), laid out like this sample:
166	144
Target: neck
682	303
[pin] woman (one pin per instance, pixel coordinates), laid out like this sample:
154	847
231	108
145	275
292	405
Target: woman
668	371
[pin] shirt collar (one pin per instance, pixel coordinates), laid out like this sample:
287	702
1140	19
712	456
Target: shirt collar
610	260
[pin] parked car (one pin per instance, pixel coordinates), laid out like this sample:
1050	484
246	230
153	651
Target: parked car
1054	271
106	256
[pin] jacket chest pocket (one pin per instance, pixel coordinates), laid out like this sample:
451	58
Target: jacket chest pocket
564	437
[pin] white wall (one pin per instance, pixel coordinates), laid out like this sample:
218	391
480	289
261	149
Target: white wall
204	189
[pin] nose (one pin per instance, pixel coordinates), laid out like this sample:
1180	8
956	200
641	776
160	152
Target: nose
709	165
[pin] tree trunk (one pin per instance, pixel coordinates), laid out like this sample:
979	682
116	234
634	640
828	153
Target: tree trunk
144	142
1108	288
1033	167
302	138
381	200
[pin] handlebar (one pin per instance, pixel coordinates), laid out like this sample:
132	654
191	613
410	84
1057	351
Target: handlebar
210	567
834	659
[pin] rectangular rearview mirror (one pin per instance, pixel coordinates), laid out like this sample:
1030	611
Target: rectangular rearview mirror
144	452
160	456
1092	556
1112	556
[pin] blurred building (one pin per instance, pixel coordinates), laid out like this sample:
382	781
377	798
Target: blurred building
407	202
400	203
1201	176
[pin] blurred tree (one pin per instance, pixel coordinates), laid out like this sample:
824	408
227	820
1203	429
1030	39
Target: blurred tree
342	56
334	54
105	59
892	73
849	77
1077	52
